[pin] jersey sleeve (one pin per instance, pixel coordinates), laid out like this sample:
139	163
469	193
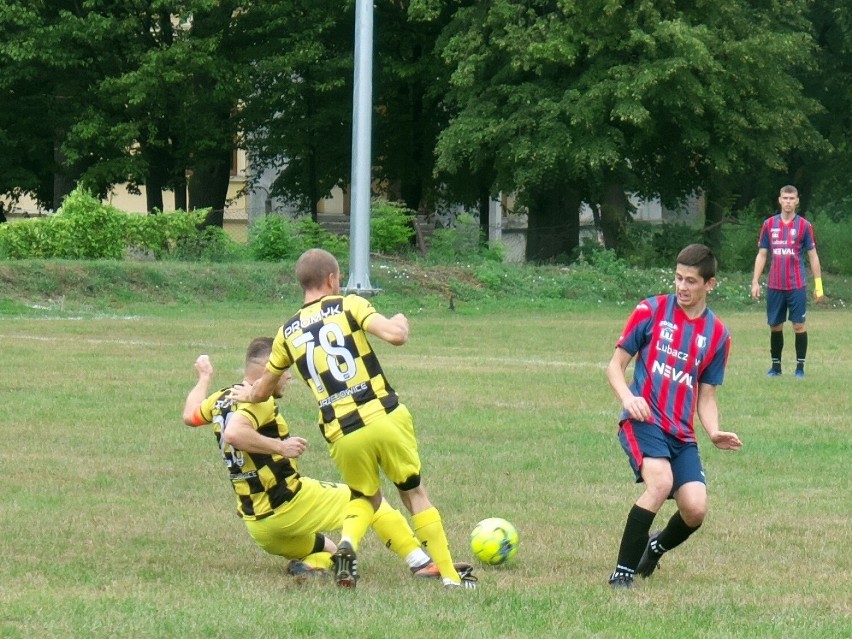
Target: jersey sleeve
763	240
714	372
279	359
362	309
204	413
634	335
809	240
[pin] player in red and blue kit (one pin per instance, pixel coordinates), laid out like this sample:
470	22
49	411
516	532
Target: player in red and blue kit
681	351
784	239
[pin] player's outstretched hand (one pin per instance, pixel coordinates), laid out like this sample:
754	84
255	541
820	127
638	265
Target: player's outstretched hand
726	441
203	366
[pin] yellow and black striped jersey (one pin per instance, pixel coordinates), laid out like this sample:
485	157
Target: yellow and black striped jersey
261	482
327	345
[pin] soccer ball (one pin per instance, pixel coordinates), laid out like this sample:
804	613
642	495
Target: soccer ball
494	541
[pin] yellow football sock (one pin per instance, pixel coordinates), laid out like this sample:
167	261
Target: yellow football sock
320	560
394	531
356	519
430	530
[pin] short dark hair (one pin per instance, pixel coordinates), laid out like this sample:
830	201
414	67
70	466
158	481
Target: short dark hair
259	350
701	257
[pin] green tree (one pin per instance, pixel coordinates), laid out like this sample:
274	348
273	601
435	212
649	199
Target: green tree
145	92
825	176
299	111
594	99
50	63
298	102
171	108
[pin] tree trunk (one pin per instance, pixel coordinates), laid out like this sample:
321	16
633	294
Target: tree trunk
313	181
554	224
64	177
484	210
613	212
181	202
208	187
155	181
714	211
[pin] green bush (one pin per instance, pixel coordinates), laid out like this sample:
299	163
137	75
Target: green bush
84	228
313	235
460	242
163	233
832	233
656	245
26	239
391	227
210	244
739	242
274	238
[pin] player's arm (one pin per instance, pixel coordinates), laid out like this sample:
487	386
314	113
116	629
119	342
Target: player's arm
258	392
616	374
241	435
816	269
393	330
708	414
192	405
759	265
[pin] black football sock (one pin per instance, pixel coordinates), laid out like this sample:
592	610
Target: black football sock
776	345
801	350
673	535
634	539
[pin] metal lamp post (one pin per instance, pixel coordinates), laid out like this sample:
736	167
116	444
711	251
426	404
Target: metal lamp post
359	219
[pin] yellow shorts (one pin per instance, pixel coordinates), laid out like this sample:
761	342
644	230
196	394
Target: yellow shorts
388	443
291	531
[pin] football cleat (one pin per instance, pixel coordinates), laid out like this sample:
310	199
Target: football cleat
345	565
468	582
650	558
430	570
302	571
621	581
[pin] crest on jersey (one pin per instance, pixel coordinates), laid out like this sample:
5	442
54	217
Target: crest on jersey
667	330
701	341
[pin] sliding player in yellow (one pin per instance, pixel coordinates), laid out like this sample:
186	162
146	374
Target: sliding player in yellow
285	512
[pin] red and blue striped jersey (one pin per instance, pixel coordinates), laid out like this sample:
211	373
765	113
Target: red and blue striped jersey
787	242
674	354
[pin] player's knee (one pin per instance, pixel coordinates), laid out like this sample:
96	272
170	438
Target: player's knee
693	514
659	491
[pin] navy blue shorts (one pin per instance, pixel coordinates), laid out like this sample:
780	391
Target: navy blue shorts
640	440
781	304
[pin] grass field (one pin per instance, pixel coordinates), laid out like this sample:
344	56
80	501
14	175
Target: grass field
118	520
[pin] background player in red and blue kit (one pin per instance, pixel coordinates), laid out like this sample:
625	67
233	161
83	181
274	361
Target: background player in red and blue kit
681	350
784	239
